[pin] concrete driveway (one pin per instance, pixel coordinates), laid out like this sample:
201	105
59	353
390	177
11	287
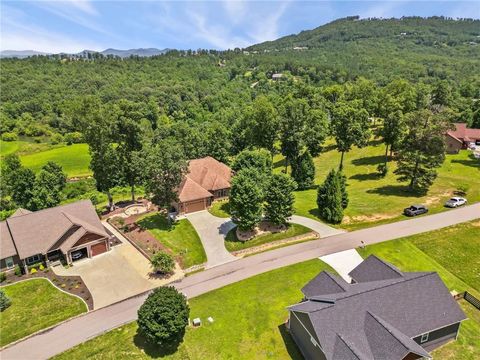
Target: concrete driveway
117	274
321	228
343	262
212	231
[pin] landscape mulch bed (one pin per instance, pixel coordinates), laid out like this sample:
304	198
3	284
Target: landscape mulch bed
71	284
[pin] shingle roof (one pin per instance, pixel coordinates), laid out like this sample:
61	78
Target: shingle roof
204	176
20	212
462	132
323	284
36	232
373	269
389	311
7	248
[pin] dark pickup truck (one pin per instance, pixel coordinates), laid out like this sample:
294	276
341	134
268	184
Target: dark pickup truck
415	210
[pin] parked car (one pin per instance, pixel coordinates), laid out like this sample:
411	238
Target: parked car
77	255
456	202
415	210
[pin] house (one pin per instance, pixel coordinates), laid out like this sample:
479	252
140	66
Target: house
51	235
383	314
460	138
277	77
207	179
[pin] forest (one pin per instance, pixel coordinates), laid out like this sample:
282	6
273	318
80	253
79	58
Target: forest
414	76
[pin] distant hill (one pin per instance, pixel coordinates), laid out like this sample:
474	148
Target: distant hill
85	53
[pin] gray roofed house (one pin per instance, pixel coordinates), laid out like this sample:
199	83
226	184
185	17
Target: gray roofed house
383	314
51	234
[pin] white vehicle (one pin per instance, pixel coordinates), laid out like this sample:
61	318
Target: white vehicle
456	202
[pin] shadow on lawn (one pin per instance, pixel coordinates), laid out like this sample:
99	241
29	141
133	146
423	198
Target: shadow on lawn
395	190
154	350
473	162
292	348
365	177
369	160
157	221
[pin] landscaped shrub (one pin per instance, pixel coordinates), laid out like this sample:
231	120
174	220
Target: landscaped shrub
56	139
163	317
41	267
163	263
5	301
33	271
18	270
73	138
3	276
9	136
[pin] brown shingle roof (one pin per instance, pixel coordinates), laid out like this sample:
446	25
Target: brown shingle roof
36	232
461	132
20	212
204	176
7	248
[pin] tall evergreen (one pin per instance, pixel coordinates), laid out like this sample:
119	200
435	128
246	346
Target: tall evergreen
330	198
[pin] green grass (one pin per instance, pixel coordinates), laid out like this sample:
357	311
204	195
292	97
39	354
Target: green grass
74	159
249	319
375	200
8	147
180	237
456	261
220	208
233	244
36	304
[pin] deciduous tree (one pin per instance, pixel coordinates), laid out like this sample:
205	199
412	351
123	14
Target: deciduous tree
303	171
246	197
279	199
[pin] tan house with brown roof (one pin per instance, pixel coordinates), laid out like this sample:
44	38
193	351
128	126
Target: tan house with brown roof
207	179
51	235
460	138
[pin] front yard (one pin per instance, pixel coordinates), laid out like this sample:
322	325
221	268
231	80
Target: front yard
179	237
36	304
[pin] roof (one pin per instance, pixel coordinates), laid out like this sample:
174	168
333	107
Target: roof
36	232
7	248
204	176
20	212
377	319
462	133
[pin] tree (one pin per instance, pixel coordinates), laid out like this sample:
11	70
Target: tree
422	150
57	177
260	160
303	171
105	166
23	188
441	94
164	167
279	199
5	301
350	127
330	198
10	164
392	131
163	316
246	197
163	263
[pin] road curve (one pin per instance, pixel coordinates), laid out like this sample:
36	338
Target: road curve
92	324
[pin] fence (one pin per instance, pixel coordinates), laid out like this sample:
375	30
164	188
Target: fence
472	299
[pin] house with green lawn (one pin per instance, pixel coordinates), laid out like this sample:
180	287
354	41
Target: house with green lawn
383	314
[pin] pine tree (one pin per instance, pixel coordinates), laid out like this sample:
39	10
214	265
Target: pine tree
303	171
329	198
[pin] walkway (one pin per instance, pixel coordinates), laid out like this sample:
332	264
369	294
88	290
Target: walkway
212	231
83	328
321	228
343	262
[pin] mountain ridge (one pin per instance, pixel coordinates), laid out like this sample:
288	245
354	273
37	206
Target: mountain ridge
142	52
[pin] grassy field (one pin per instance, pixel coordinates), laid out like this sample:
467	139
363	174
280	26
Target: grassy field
220	208
249	319
233	244
74	159
180	237
376	200
9	147
36	304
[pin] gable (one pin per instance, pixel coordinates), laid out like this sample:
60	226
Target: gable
88	237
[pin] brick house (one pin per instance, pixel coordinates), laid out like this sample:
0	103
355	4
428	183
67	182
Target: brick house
207	179
52	235
460	138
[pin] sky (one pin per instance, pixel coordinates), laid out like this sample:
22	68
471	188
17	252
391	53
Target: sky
75	25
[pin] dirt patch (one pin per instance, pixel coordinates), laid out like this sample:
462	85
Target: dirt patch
476	223
71	284
367	218
437	198
264	227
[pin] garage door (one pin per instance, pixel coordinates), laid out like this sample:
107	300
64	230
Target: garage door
194	206
99	248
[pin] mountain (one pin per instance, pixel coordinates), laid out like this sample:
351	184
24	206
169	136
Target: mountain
136	52
20	53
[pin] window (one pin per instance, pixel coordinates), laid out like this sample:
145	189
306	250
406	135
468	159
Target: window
313	341
424	338
9	262
33	259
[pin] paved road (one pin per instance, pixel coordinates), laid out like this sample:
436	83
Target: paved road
322	229
83	328
212	231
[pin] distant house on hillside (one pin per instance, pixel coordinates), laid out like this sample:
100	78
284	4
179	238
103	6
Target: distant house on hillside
207	179
460	137
383	314
52	234
277	76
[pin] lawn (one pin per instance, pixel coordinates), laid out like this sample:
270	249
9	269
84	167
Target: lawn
375	200
233	244
180	237
220	208
8	147
74	159
36	304
249	319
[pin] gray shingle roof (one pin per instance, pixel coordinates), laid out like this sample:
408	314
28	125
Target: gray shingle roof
324	283
390	312
374	268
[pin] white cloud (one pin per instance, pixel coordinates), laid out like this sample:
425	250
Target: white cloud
235	9
267	27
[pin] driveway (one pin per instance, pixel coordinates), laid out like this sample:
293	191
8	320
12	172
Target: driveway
212	231
117	274
322	229
343	262
85	327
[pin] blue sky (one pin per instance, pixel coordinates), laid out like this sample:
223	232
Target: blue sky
71	26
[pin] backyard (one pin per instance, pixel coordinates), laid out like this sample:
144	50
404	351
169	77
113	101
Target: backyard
179	237
253	327
36	305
